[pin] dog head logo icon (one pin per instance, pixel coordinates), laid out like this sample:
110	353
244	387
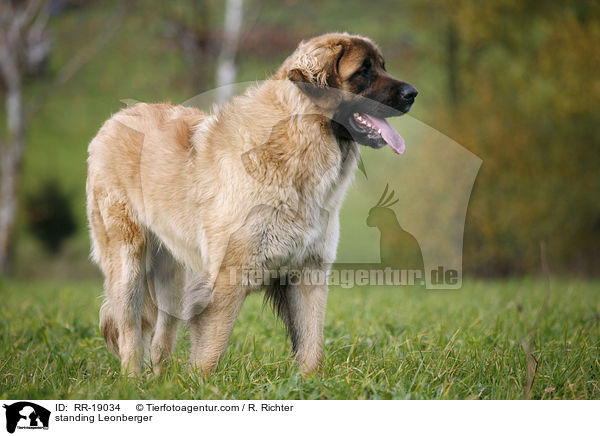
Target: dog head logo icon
26	415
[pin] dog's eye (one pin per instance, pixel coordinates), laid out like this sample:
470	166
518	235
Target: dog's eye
364	68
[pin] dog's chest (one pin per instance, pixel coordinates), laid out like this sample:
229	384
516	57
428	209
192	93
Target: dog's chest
283	234
299	230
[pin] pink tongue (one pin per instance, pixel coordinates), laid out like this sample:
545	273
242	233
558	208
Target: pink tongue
388	133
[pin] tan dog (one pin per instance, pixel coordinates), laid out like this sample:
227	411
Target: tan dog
178	199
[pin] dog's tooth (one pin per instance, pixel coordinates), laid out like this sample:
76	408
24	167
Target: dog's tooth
379	131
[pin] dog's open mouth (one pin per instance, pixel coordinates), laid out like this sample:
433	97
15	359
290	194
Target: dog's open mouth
378	129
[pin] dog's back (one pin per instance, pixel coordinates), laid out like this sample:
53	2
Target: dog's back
116	207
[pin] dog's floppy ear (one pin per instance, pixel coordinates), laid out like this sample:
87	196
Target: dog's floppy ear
316	74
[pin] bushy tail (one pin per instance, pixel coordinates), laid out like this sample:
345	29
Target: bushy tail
108	326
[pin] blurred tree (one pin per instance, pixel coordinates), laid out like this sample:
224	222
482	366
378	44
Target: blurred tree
226	68
452	63
190	23
49	215
525	91
22	34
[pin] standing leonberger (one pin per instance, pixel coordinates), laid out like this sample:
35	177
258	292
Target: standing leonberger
178	199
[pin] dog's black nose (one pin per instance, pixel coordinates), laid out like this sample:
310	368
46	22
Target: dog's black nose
408	92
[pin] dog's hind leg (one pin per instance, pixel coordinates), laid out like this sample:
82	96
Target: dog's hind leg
210	330
165	284
149	322
128	304
163	341
119	244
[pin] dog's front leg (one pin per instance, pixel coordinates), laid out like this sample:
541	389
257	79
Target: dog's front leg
307	305
211	329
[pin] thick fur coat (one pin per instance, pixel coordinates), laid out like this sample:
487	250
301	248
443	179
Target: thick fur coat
179	202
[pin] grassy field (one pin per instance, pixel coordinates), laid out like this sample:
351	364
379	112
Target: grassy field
382	343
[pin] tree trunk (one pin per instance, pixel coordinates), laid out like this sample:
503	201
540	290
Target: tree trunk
12	156
452	64
226	69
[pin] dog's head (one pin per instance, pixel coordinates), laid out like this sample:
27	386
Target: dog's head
345	75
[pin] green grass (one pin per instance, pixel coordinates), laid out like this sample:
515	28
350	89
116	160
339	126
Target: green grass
382	343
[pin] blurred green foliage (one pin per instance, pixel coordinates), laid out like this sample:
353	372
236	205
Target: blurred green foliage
524	95
49	216
515	82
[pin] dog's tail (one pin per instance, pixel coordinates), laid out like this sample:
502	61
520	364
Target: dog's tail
108	326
